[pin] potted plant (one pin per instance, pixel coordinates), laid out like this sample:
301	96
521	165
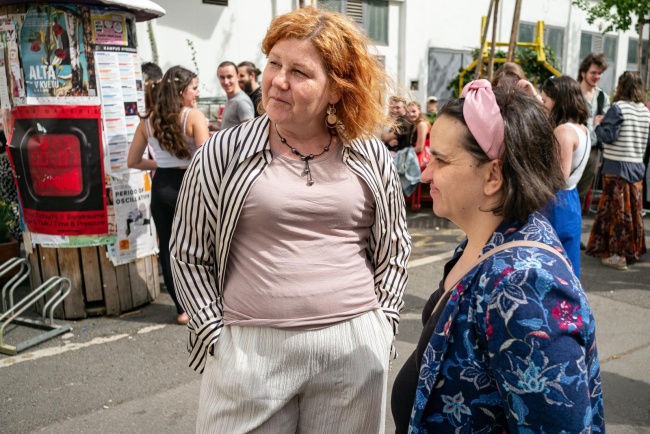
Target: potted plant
9	246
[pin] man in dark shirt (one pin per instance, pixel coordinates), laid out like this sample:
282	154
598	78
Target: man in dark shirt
248	75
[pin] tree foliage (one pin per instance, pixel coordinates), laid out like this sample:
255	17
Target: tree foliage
525	57
617	13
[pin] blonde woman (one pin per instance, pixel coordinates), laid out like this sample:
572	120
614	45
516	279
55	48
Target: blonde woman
419	136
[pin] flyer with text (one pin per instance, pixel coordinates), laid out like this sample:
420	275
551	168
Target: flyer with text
56	152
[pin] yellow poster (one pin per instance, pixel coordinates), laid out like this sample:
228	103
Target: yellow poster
109	29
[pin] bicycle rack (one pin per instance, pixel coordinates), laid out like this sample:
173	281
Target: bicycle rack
59	286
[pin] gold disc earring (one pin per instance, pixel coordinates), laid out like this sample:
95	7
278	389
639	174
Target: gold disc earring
331	119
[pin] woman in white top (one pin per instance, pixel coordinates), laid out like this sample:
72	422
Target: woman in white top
567	110
174	129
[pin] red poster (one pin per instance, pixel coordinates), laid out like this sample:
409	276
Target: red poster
57	154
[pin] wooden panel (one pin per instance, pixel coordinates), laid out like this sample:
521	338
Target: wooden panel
35	278
91	275
124	287
109	283
70	267
138	275
49	268
152	277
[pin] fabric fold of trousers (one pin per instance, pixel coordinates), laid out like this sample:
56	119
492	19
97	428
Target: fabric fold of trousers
329	380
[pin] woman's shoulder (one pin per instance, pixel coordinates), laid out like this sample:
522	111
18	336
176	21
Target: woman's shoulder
529	257
527	273
193	114
368	146
250	137
565	128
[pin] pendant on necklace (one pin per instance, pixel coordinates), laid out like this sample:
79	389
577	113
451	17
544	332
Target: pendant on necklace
307	172
304	158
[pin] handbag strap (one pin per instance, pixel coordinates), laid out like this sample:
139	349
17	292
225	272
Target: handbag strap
509	245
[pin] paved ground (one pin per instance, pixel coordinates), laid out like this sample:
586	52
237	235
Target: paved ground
129	374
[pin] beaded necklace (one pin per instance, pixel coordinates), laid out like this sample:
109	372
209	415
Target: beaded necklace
304	158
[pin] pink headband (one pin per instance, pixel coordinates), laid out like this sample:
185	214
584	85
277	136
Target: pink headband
483	117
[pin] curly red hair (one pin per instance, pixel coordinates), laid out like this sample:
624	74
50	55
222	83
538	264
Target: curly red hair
355	73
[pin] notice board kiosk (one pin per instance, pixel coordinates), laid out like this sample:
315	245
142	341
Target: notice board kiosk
71	89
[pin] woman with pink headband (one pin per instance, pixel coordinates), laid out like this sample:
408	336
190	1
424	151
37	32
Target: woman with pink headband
509	339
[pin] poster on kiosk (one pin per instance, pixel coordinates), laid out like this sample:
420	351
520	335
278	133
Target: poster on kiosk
53	48
57	155
73	84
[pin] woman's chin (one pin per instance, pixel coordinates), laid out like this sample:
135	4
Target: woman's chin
277	115
438	210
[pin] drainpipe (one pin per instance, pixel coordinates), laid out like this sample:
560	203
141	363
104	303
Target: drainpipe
401	54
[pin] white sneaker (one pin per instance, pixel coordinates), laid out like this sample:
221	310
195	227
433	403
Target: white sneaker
615	261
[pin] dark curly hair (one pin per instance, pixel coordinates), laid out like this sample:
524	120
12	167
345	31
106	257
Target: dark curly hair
165	112
570	105
597	59
532	172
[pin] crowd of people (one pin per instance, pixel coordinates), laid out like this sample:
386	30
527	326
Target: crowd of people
284	244
292	291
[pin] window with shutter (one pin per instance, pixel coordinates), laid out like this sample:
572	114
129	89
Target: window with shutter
372	15
633	55
354	10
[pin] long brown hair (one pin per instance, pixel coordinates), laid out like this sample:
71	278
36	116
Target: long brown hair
570	105
165	113
629	88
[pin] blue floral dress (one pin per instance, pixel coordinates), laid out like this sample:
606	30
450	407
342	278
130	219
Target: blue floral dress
515	347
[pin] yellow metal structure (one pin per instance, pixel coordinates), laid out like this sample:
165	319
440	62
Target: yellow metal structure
537	45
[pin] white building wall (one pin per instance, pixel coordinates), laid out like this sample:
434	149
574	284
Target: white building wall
235	33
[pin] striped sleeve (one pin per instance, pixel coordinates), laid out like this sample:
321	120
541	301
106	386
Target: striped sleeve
192	255
390	239
395	277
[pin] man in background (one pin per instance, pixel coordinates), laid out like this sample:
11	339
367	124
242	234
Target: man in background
589	73
397	139
248	82
432	108
239	107
151	74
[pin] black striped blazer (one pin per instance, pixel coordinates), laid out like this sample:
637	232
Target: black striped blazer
212	195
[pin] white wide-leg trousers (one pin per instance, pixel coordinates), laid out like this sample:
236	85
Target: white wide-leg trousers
276	381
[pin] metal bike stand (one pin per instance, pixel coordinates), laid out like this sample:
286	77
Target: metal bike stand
60	288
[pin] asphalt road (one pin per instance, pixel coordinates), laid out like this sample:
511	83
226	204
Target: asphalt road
128	374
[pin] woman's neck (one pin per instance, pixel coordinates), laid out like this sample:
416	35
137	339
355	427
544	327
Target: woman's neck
480	231
305	141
